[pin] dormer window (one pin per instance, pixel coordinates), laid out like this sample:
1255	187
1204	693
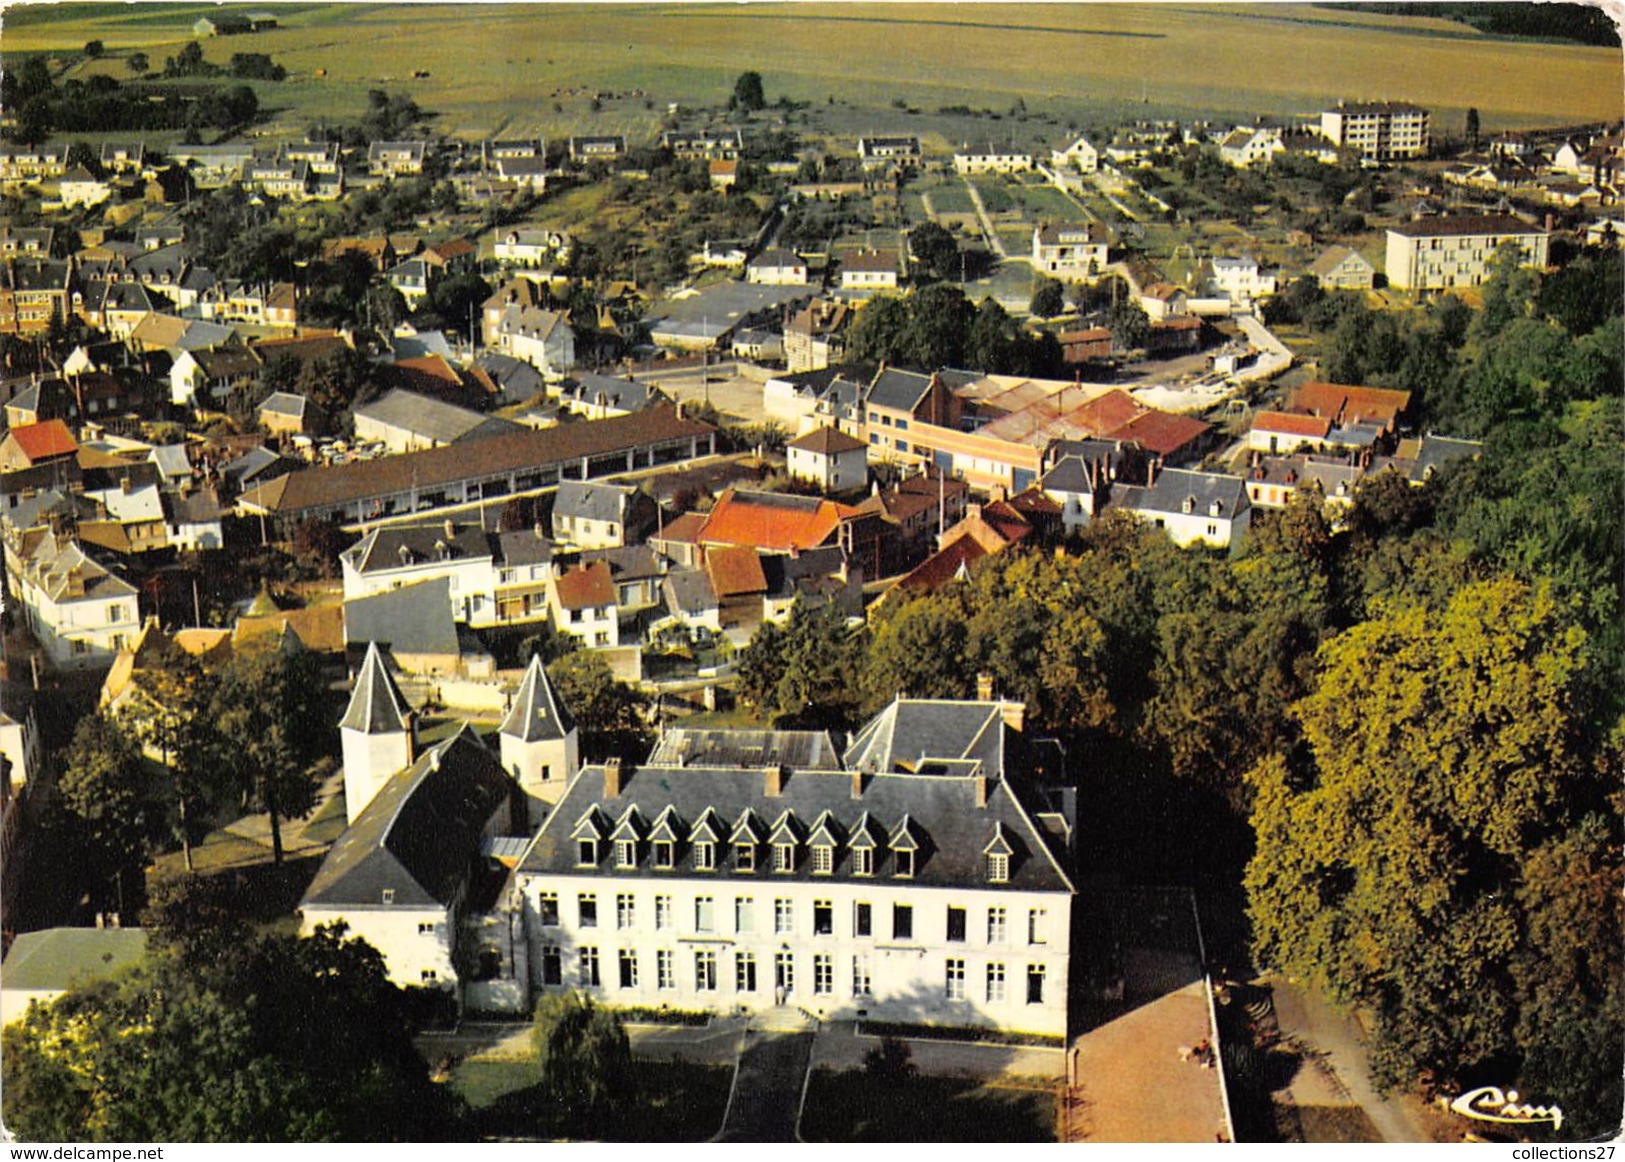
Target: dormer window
705	857
745	857
784	857
626	853
586	852
903	866
863	861
664	854
998	868
823	860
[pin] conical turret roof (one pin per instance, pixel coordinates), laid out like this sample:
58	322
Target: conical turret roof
377	706
538	714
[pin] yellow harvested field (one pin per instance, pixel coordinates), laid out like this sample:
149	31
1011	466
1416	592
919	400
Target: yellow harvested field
519	68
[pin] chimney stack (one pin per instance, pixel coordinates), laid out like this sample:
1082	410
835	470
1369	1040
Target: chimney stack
773	783
981	790
857	784
984	687
451	531
612	778
1015	714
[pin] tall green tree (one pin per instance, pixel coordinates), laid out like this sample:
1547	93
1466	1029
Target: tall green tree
1443	746
167	714
104	789
748	95
584	1062
934	251
612	716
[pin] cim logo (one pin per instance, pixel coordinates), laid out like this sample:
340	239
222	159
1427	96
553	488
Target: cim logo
1489	1104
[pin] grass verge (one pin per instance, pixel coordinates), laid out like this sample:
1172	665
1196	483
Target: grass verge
852	1107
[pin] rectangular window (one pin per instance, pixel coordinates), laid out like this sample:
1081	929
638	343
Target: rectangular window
902	922
823	918
704	915
1035	984
427	976
995	983
705	971
995	926
905	864
626	912
588	910
589	968
998	866
552	965
426	929
823	975
629	969
862	920
705	856
956	925
863	861
955	987
664	977
862	985
662	912
745	857
823	860
626	853
784	918
664	858
745	972
1035	926
784	857
744	916
587	852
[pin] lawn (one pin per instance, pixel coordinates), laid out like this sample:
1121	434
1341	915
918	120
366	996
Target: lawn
681	1102
851	1107
537	68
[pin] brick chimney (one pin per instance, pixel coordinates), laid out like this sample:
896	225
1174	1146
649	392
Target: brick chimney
857	784
981	790
1014	714
984	687
773	781
612	778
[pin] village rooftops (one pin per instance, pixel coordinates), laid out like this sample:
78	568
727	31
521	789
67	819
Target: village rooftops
588	586
1176	490
432	419
899	390
826	441
773	521
794	749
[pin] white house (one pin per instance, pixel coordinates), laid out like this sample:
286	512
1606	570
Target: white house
1070	249
81	614
1342	268
403	873
531	248
869	270
777	268
1191	507
1241	279
493	578
1244	147
541	338
751	870
979	159
829	458
582	600
42	965
588	514
1080	153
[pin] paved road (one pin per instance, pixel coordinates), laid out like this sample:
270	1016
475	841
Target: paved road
766	1099
1312	1023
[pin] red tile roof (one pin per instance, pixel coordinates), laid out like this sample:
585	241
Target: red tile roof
827	441
1345	404
44	441
1107	412
684	529
587	587
1292	425
940	568
772	521
1161	432
735	571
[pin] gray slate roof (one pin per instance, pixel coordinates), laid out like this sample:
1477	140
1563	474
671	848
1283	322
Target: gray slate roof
688	591
537	714
376	705
940	811
796	749
898	389
910	733
414	619
432	419
588	500
393	546
1174	486
420	835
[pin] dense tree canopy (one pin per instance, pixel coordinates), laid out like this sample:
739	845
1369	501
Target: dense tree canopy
584	1061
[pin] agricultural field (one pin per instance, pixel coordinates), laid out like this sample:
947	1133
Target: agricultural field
561	69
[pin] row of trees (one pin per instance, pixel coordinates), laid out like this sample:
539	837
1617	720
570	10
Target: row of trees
937	326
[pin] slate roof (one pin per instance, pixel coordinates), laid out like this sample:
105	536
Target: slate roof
523	547
1465	225
938	812
414	619
388	547
899	390
587	500
795	749
432	419
827	441
912	734
537	714
255	463
55	958
688	591
418	837
514	451
1071	233
377	705
1070	474
1172	487
611	391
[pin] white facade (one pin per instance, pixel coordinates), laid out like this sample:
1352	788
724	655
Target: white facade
81	614
991	160
1080	153
711	944
836	471
1457	251
1380	132
1241	279
1073	250
416	942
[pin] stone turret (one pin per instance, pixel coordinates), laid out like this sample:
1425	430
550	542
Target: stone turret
539	742
376	732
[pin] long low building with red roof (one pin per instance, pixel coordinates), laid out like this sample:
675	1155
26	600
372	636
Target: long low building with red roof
516	462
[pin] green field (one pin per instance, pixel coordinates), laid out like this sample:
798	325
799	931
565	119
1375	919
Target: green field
535	69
